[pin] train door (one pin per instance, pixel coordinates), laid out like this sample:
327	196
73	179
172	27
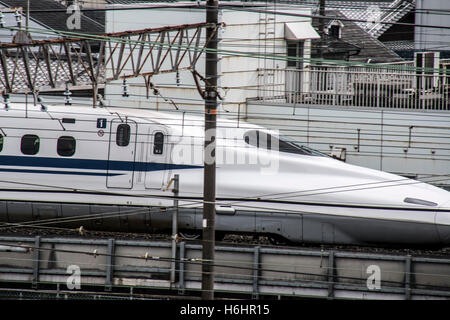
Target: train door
157	167
121	156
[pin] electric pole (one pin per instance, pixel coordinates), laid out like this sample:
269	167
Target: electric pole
322	28
27	25
209	178
322	14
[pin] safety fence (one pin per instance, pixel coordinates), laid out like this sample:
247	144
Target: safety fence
396	87
74	264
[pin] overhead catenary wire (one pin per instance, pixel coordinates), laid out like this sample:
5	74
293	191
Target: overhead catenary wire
163	7
91	5
197	202
413	115
295	133
298	134
417	140
220	51
224	4
429	180
12	136
251	8
249	206
287	127
392	133
258	116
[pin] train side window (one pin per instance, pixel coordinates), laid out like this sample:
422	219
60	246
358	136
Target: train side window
158	143
66	146
30	144
2	138
123	135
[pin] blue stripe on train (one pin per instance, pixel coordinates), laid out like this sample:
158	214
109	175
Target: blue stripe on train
61	172
86	164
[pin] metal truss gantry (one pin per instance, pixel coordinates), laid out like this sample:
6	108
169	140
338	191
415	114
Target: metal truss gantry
91	60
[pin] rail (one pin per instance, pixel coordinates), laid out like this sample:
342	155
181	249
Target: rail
378	87
112	265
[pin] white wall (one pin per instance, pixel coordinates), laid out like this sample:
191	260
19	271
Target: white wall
432	38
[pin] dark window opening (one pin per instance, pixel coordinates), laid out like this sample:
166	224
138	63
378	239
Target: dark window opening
334	32
2	138
158	143
123	135
291	52
30	144
267	141
295	50
66	146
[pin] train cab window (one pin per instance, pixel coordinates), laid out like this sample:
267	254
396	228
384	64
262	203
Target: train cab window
30	144
66	146
264	140
123	135
258	139
158	143
2	138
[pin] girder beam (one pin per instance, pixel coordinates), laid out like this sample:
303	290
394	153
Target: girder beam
96	59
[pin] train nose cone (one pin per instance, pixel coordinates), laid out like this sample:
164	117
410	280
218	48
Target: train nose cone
443	223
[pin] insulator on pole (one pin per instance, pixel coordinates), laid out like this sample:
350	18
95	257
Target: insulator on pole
6	99
18	17
125	88
67	98
41	101
2	21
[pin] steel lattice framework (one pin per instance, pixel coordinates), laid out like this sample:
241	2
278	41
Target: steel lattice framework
93	60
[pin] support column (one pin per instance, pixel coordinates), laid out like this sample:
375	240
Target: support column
209	180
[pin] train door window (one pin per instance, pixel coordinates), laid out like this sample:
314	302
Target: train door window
30	144
1	142
123	135
158	143
66	146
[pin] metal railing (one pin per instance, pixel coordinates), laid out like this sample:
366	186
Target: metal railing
386	87
112	265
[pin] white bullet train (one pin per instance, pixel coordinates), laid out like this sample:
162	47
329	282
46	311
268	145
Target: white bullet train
111	169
